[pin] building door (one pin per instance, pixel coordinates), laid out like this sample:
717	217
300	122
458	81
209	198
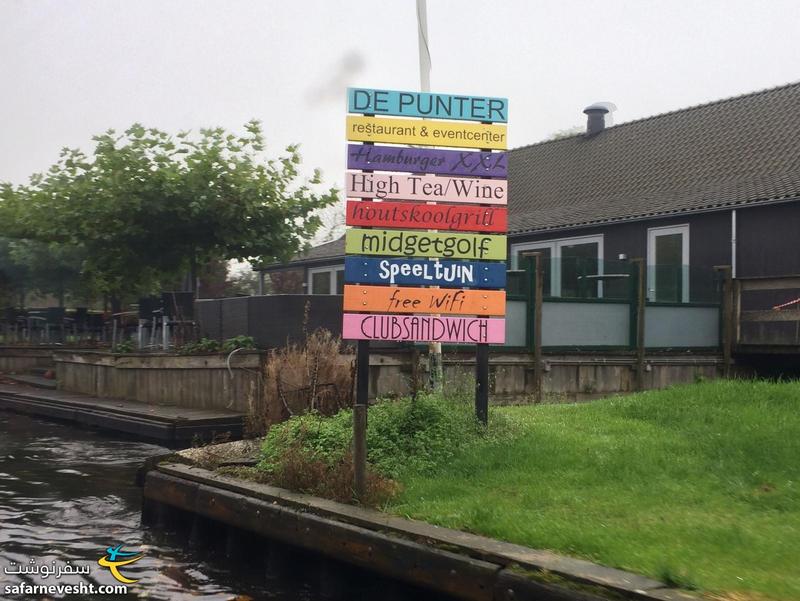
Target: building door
668	264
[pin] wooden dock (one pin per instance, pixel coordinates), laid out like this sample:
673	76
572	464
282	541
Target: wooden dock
167	424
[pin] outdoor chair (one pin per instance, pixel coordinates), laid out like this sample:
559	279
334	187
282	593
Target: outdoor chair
54	325
95	327
178	317
35	326
150	311
123	326
77	323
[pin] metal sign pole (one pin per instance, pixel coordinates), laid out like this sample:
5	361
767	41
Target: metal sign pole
360	419
482	383
482	378
435	375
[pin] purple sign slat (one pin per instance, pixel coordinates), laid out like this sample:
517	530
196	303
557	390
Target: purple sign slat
427	160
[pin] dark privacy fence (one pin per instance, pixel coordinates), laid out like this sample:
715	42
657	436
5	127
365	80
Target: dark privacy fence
585	305
270	320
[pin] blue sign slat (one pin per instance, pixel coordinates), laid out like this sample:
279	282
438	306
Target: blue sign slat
428	105
422	272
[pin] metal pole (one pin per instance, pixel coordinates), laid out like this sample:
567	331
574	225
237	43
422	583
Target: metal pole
360	420
641	300
482	383
538	274
435	374
424	49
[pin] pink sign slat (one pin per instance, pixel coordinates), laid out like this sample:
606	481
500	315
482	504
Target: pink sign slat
427	188
424	328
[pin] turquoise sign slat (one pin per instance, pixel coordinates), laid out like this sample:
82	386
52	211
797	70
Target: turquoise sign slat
427	104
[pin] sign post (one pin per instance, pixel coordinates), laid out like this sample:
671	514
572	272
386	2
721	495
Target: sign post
360	420
426	244
482	383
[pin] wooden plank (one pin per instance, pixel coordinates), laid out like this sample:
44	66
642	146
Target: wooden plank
430	105
771	315
414	243
422	272
426	188
390	299
410	215
777	283
456	330
426	133
437	161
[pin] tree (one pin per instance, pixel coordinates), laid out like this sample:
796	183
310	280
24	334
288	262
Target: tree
49	269
148	206
13	277
243	283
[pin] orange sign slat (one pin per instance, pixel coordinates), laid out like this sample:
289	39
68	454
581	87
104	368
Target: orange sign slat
386	299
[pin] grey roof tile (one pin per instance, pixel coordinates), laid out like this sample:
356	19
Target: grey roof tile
739	150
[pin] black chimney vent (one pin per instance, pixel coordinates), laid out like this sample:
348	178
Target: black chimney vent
596	121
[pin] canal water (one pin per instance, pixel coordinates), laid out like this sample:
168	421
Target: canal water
67	494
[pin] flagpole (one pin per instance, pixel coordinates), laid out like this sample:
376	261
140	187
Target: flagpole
424	49
435	374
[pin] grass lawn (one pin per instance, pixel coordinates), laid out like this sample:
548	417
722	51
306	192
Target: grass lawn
697	485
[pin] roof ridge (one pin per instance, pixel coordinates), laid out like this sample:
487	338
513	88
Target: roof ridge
667	113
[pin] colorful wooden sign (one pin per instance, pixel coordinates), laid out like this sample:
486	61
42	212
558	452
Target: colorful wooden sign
426	133
411	215
423	272
437	161
412	243
427	104
424	328
396	299
427	188
384	298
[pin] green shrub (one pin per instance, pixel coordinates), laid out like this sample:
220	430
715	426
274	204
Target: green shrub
419	435
125	346
402	435
243	342
202	346
324	438
209	345
299	471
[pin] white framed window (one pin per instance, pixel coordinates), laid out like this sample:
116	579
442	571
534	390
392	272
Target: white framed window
668	264
325	280
570	264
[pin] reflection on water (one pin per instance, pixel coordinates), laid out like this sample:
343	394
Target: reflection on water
66	494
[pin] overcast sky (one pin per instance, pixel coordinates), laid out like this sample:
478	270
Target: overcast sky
73	68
